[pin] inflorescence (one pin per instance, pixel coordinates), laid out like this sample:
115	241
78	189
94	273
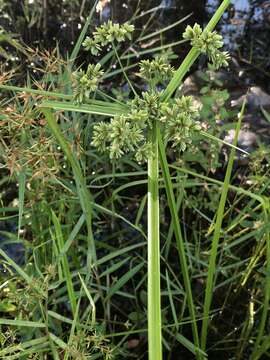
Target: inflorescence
178	118
106	34
208	43
156	71
86	82
128	133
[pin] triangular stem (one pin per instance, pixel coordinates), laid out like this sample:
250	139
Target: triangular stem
154	302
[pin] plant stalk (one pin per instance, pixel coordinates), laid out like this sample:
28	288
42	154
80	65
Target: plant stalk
154	301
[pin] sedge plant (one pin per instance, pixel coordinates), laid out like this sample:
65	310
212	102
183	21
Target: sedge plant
151	118
143	128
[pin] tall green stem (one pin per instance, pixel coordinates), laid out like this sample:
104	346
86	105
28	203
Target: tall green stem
154	303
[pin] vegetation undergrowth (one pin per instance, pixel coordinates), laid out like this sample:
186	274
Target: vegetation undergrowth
82	290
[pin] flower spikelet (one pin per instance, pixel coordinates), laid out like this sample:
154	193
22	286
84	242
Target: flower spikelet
156	71
121	135
106	34
180	120
86	82
208	43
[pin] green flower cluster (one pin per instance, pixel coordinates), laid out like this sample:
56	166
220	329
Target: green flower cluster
208	43
180	122
86	82
128	133
120	136
156	71
106	34
178	118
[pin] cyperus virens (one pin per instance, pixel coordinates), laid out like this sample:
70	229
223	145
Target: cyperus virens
178	117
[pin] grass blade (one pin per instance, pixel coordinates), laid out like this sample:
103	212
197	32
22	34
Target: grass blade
106	109
20	271
123	280
64	260
91	301
35	92
22	346
117	253
215	242
21	180
83	192
72	236
22	323
257	348
187	344
161	31
179	240
81	37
